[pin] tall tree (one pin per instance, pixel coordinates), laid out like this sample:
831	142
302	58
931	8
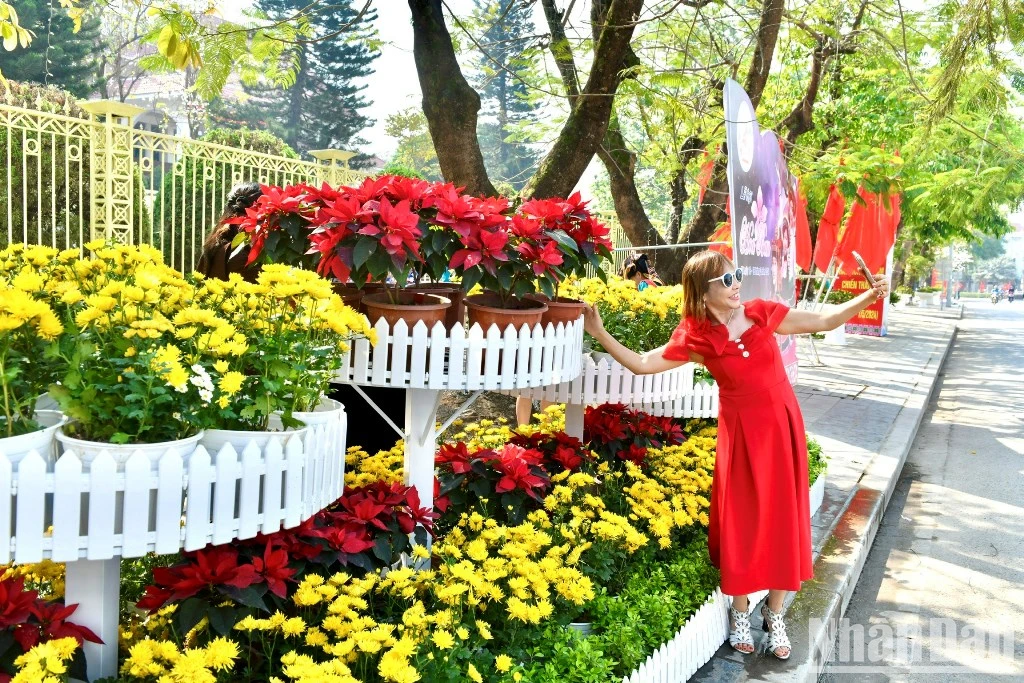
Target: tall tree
506	45
415	149
57	55
325	106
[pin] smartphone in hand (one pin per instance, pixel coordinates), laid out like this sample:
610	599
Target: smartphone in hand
864	268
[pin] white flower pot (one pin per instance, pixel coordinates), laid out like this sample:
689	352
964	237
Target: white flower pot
215	439
88	450
817	493
41	441
325	428
584	627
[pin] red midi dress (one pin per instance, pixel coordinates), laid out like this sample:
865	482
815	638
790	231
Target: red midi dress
759	534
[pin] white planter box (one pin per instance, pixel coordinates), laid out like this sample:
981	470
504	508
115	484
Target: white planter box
817	493
838	335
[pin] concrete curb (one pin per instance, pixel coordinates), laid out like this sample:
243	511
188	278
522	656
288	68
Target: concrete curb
815	613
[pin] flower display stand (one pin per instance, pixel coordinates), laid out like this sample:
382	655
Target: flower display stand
672	393
92	516
427	361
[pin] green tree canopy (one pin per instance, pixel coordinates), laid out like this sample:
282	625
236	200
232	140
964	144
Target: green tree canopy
58	55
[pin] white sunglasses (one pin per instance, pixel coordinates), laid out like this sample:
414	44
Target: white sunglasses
726	278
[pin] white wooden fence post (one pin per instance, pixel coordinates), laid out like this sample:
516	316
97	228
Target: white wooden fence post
95	586
420	419
574	419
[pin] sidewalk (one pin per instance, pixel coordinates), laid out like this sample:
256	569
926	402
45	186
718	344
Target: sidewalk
864	405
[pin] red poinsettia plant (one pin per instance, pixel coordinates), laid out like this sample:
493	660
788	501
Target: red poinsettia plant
503	484
278	225
618	434
560	451
572	218
365	530
27	620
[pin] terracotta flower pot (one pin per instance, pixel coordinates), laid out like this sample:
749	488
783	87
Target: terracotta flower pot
560	309
450	290
486	310
411	307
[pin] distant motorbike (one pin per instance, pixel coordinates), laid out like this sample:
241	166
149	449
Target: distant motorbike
996	296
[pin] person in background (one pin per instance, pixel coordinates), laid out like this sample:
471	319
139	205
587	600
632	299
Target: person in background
641	278
524	409
219	259
645	266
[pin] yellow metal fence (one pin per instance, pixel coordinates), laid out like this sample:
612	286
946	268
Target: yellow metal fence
67	180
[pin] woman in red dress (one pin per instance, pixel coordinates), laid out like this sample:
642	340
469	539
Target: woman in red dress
759	535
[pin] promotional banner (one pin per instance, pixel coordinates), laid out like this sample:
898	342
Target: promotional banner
763	201
871	320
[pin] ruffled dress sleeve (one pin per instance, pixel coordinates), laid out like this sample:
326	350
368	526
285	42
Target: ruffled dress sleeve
680	345
769	314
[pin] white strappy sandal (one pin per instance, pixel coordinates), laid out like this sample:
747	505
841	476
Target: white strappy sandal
775	637
740	634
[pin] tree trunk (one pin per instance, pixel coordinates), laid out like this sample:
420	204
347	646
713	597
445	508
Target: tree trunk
449	103
618	159
899	264
296	96
679	196
712	211
620	162
585	128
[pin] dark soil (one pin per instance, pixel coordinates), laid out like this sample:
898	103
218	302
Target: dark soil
491	405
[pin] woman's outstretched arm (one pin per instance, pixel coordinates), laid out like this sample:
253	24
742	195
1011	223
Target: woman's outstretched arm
809	322
646	363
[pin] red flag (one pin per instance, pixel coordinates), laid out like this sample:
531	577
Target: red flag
704	177
870	231
803	234
723	233
828	229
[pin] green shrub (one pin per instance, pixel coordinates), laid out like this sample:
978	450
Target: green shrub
839	296
816	460
395	168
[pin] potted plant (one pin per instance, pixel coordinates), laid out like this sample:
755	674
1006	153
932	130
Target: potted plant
28	360
446	213
640	320
136	357
370	234
290	332
570	217
510	260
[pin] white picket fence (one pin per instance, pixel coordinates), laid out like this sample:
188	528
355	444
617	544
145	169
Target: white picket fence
71	512
692	646
457	359
672	393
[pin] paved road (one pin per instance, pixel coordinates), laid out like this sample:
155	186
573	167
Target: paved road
948	560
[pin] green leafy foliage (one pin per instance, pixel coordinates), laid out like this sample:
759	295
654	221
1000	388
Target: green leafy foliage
816	460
